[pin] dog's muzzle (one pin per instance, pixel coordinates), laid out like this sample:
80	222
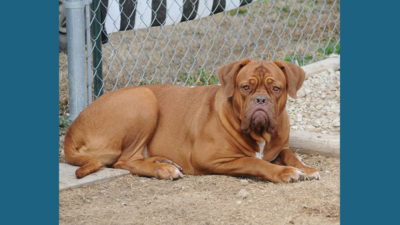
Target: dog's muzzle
260	120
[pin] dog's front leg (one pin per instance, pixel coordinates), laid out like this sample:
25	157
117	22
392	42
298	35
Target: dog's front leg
158	167
288	158
256	167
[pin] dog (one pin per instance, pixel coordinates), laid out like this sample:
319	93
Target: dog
238	128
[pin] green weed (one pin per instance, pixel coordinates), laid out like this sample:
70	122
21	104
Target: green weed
201	77
301	60
63	123
332	47
237	11
146	82
284	9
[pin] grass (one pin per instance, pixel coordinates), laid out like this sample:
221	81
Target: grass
63	123
237	11
300	60
332	47
284	9
145	82
201	77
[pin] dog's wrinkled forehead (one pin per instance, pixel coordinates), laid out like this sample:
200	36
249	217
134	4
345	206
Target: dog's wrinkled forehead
261	70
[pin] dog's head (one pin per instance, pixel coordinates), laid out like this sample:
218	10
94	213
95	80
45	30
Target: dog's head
258	91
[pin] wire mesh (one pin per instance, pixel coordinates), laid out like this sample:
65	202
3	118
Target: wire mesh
145	42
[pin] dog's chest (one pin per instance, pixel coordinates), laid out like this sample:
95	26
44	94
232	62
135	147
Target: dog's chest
269	155
260	153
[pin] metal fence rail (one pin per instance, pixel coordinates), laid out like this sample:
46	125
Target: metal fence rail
136	42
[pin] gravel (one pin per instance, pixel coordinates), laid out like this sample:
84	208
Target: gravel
317	107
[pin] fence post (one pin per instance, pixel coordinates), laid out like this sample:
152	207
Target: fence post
97	54
77	77
88	52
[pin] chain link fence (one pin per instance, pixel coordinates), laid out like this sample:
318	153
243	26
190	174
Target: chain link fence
150	41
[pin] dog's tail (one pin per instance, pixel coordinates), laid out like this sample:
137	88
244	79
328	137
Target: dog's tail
75	154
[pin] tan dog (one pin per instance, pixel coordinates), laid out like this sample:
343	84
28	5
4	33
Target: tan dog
238	128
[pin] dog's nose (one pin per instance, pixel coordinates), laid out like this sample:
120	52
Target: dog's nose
260	99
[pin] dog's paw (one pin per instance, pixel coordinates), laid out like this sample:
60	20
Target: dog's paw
172	163
311	173
290	174
168	171
313	176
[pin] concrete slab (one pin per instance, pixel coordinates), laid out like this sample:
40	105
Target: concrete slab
67	177
310	142
331	63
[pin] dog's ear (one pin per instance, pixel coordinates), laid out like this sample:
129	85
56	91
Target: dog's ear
227	75
294	76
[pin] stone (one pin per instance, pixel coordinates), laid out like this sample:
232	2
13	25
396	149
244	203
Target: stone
244	182
317	106
299	118
301	93
336	123
242	194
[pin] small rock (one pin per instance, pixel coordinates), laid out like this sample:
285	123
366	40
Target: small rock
307	91
336	123
316	123
244	182
242	194
309	126
238	202
301	93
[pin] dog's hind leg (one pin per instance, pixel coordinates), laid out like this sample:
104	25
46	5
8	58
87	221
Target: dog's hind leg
115	130
91	165
134	158
88	164
89	161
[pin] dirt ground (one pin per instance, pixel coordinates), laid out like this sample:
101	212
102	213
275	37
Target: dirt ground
213	199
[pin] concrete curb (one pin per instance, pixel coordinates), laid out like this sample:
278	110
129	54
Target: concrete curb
331	63
309	142
68	180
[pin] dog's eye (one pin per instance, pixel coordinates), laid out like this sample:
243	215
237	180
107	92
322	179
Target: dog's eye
246	87
276	88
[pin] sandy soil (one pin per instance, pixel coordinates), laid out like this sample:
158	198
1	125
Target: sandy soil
213	199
